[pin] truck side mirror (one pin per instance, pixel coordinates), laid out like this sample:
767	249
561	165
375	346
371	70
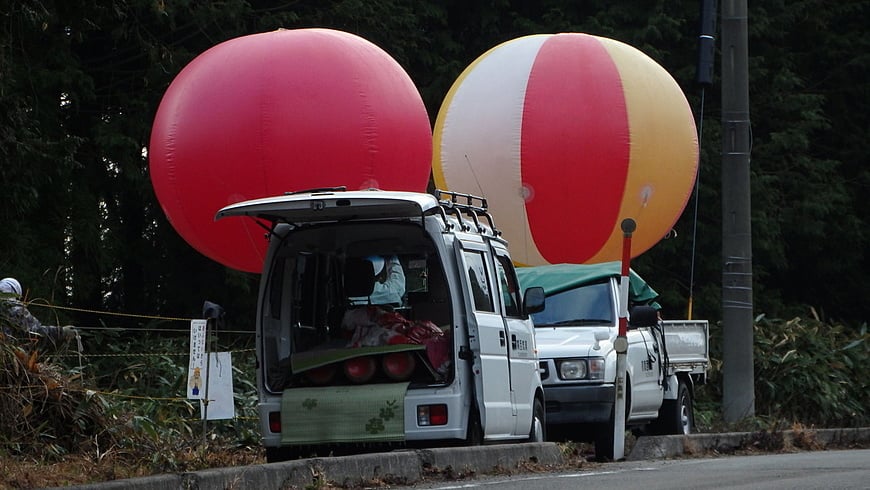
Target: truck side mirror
643	316
533	300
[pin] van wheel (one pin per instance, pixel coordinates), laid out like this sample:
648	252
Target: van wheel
278	454
538	432
474	433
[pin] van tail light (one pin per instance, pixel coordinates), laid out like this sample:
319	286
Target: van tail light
431	415
275	422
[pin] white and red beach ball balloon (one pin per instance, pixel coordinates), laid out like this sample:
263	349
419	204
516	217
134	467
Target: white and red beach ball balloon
282	111
566	135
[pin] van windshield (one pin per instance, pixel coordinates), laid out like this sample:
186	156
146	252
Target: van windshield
587	305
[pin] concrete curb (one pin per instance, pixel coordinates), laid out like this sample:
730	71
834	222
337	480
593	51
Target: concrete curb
397	467
407	467
661	447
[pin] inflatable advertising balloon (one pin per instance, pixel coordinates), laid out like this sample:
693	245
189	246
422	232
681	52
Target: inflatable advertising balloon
566	135
269	113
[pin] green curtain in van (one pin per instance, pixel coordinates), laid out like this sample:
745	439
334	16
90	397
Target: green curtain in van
364	413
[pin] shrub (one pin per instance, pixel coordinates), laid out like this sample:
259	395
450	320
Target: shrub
44	412
811	372
806	372
122	400
144	379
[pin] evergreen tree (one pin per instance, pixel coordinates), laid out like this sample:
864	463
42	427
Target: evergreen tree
81	80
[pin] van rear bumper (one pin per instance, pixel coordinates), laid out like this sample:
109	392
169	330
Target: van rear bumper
579	404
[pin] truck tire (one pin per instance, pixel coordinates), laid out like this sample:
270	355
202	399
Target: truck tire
604	443
603	435
538	431
677	416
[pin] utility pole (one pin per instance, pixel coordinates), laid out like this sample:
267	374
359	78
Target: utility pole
738	391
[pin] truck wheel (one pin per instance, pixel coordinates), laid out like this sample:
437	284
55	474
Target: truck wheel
604	441
538	432
677	416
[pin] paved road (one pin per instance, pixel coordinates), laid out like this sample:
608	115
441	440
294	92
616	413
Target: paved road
843	469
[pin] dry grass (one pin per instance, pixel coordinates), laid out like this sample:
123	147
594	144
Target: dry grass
77	469
53	432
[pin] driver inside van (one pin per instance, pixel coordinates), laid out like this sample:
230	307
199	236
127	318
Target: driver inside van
389	286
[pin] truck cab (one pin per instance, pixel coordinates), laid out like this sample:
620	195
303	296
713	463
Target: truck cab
390	318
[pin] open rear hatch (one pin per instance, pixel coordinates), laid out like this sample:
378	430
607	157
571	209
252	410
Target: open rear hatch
330	206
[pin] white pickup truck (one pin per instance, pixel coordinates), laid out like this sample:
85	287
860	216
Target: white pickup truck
575	335
446	353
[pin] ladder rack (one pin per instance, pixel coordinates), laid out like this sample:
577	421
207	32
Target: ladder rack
474	206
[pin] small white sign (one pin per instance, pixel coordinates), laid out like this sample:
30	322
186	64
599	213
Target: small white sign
220	388
196	367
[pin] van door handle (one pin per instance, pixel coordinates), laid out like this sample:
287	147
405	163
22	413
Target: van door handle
465	353
501	339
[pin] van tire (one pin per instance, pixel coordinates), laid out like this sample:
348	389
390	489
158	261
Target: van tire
538	431
278	454
474	432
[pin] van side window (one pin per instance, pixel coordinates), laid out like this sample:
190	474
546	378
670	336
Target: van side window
478	278
508	284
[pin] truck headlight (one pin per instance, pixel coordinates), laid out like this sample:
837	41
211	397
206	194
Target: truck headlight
596	368
572	369
579	369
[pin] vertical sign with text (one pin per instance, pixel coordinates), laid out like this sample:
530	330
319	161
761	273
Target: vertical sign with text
196	368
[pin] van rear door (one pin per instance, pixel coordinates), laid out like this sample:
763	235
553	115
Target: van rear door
330	206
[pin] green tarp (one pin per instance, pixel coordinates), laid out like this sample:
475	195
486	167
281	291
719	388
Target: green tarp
562	277
365	413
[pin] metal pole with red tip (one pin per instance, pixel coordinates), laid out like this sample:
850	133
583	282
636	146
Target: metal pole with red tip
620	345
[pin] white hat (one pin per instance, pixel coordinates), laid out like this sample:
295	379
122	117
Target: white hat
10	285
377	263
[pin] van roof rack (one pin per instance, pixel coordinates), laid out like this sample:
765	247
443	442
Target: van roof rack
474	206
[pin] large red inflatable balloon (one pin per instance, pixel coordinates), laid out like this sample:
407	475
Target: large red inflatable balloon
282	111
566	135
